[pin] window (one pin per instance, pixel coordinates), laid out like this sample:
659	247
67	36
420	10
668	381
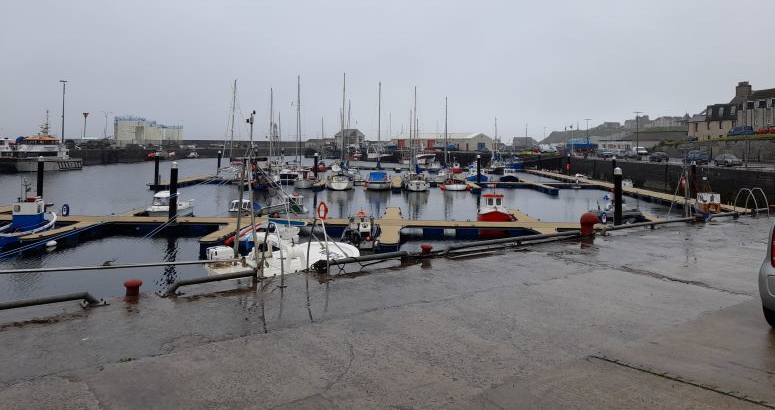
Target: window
720	111
763	104
749	105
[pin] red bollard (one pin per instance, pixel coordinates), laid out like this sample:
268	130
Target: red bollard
425	250
588	221
132	288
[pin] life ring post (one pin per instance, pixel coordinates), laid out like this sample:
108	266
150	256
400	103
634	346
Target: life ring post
322	210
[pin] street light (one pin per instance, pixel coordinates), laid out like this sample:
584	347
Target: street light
86	114
105	131
637	129
64	85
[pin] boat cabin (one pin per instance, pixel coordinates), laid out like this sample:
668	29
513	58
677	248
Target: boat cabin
28	211
495	200
234	206
296	199
161	198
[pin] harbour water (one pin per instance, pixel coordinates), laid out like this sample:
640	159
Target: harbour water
109	189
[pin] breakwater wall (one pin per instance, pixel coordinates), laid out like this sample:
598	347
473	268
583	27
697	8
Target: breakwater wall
665	177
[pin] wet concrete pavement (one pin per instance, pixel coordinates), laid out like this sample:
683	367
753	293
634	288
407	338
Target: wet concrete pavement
660	318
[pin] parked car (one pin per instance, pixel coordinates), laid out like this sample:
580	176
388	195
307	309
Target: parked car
641	151
766	130
742	130
631	154
727	160
605	154
767	281
659	156
698	157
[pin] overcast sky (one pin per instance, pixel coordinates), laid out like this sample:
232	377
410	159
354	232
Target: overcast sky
542	63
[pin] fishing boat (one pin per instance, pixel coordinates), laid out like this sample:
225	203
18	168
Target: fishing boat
305	180
292	206
454	184
455	167
277	252
473	177
28	216
509	175
160	206
361	231
378	181
493	210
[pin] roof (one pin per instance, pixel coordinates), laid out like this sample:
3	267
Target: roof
438	136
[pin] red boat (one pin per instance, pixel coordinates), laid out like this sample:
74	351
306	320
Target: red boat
493	210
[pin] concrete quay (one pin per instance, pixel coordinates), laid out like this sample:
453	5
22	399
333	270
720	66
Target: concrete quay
664	318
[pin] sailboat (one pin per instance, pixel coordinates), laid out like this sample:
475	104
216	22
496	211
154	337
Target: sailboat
339	179
414	180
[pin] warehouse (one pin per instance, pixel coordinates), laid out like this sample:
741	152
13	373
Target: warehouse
475	141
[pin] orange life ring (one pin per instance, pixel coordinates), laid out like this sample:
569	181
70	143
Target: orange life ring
322	210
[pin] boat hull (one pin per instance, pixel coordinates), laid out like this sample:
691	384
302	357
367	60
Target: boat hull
378	185
304	183
339	185
12	165
454	187
494	216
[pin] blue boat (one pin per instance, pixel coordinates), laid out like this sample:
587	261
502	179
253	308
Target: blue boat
29	216
378	181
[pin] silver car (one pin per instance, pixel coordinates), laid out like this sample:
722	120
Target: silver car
767	281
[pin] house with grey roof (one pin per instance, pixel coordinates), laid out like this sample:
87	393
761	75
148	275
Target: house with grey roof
466	141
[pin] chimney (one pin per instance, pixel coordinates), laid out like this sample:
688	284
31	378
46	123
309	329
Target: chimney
743	89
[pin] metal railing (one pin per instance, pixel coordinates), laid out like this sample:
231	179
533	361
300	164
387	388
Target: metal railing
172	290
87	301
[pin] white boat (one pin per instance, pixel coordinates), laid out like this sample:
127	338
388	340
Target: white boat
335	167
193	154
358	178
414	182
454	184
161	205
378	181
509	175
22	155
234	206
361	231
305	180
339	182
434	166
277	253
442	176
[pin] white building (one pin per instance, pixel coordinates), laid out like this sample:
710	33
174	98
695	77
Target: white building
138	130
475	141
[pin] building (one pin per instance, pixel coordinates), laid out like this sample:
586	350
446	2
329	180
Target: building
475	141
353	137
523	142
667	122
138	130
754	108
637	122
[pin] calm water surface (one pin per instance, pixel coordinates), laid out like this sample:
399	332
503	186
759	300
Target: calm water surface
107	189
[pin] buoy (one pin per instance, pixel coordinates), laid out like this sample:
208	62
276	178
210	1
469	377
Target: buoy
51	244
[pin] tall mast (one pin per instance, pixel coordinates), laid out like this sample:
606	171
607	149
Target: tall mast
416	134
233	108
271	124
445	133
280	136
494	151
379	118
298	118
344	90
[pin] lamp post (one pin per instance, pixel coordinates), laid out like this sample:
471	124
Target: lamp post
86	114
64	85
637	129
105	130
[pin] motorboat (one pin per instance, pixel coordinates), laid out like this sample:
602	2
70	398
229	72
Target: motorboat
245	207
472	177
509	175
160	206
497	167
442	176
277	251
454	183
378	181
193	154
305	180
358	178
606	213
28	216
493	210
340	181
415	182
434	167
361	231
288	176
456	168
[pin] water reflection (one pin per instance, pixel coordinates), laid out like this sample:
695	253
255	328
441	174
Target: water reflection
170	273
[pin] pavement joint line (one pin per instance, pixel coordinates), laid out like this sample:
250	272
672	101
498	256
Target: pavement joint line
679	379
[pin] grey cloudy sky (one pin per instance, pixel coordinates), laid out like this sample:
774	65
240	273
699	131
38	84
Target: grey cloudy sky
550	63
